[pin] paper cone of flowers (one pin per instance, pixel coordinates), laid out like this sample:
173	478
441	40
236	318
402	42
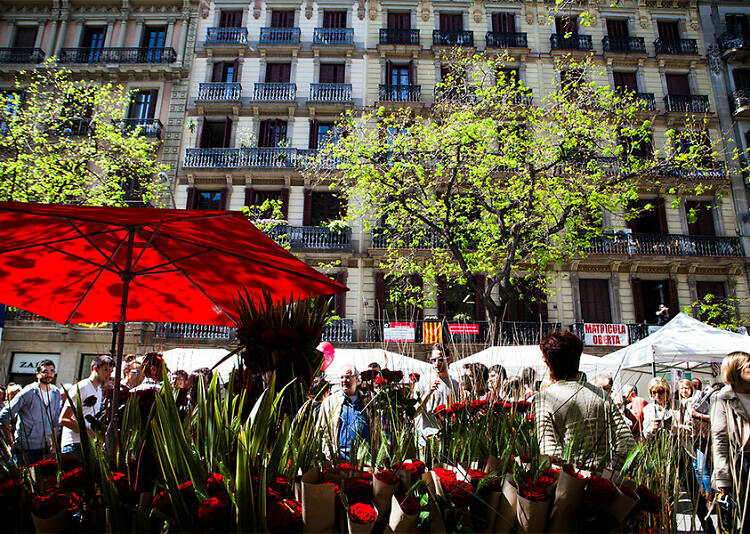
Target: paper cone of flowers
318	499
623	504
533	504
568	497
361	518
50	512
384	484
409	472
404	514
507	509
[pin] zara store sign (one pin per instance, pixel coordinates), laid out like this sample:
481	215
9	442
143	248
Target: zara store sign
24	363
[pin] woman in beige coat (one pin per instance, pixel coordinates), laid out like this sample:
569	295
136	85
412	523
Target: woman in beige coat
730	430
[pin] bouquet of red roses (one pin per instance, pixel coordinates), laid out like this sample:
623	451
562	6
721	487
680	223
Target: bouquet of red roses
361	518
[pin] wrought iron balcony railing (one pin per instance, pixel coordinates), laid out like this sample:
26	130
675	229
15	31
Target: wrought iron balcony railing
219	92
16	314
687	103
330	92
446	38
506	40
676	46
383	236
275	92
739	100
624	44
21	55
399	93
196	332
77	127
223	158
121	55
511	332
574	42
226	36
318	237
274	36
339	331
733	41
647	99
666	245
144	127
453	93
636	331
389	36
333	36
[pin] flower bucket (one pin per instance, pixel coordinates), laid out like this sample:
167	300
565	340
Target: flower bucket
51	525
532	515
507	510
568	496
358	527
399	521
317	503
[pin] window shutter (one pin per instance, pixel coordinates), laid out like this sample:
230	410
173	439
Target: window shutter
313	140
638	307
668	30
285	203
543	310
204	134
479	308
218	73
340	298
307	215
191	198
379	296
227	133
442	294
223	194
617	28
249	196
388	72
236	72
416	281
661	215
673	302
412	73
677	84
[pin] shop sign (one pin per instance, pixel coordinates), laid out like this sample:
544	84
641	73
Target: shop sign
398	331
463	329
24	363
604	334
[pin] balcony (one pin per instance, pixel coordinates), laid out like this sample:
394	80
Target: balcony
624	244
311	237
677	47
646	101
219	92
120	56
339	331
279	36
399	37
330	92
687	103
636	331
506	40
383	236
461	93
145	127
234	158
399	93
226	37
624	45
21	55
446	38
512	333
16	314
324	38
574	42
739	101
275	92
194	332
734	45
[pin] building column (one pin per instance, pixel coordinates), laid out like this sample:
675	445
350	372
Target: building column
60	41
138	31
170	33
123	33
49	45
11	33
614	289
40	33
576	296
110	30
185	28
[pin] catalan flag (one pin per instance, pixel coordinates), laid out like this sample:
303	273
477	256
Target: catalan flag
432	332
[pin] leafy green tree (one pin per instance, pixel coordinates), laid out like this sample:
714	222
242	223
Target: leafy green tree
721	312
61	141
498	182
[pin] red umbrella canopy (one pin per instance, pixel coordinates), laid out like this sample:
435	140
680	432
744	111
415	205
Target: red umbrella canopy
69	263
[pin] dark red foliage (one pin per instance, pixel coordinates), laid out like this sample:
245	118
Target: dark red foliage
601	490
444	474
523	406
650	502
393	376
284	516
73	480
358	489
476	475
439	409
410	505
214	512
215	483
367	374
458	407
460	493
45	506
386	476
478	405
161	501
9	486
46	467
380	381
362	513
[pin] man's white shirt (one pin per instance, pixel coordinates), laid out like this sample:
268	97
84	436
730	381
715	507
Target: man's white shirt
87	389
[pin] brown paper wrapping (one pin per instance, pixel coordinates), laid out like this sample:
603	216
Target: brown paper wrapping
437	525
490	509
399	522
493	464
318	502
621	506
532	515
507	510
381	496
568	496
359	528
51	525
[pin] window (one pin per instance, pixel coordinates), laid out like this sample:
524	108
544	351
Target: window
510	76
625	82
738	24
93	37
399	74
741	79
566	26
25	37
323	207
84	367
225	71
154	37
278	72
257	197
648	295
282	18
570	80
322	133
230	19
617	28
10	104
595	304
677	84
503	23
394	296
652	221
272	133
526	305
639	147
332	72
216	134
334	19
451	22
209	200
668	29
700	218
143	104
399	21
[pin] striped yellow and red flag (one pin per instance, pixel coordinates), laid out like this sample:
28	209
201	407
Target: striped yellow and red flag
432	332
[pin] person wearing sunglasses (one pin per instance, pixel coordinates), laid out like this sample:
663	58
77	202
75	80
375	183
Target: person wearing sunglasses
439	390
658	414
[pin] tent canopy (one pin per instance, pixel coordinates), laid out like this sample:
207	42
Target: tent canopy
682	341
361	358
191	359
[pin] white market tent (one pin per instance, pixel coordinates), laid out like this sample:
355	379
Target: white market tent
190	359
361	358
514	358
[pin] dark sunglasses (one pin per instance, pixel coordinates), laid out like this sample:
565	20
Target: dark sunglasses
660	390
437	360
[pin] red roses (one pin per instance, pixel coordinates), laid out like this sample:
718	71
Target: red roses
358	489
284	516
75	479
601	490
362	513
45	506
386	476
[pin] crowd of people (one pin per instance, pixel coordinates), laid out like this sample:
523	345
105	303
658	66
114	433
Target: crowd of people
711	420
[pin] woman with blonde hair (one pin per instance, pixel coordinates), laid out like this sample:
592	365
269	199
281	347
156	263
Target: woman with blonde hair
730	430
658	414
